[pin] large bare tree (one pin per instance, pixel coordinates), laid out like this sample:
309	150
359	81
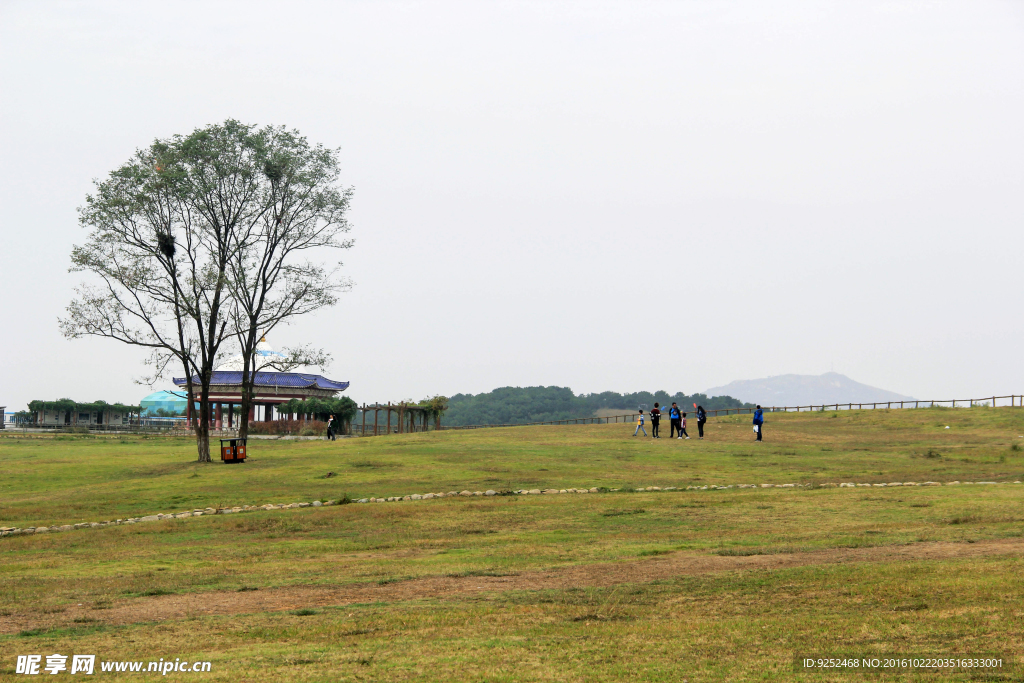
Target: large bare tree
273	276
165	227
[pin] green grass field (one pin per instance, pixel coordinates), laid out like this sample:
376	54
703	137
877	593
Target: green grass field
659	586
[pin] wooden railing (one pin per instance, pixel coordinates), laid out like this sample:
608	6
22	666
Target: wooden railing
1014	400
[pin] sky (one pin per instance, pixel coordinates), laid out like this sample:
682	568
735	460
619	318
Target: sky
613	196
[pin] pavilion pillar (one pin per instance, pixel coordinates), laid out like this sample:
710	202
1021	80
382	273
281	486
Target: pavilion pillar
218	419
389	417
376	413
362	431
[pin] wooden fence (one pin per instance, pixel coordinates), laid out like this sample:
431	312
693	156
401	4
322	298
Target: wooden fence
1014	400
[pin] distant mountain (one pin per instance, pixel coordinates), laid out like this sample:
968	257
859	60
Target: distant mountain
792	390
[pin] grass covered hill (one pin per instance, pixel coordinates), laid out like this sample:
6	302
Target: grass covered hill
661	586
519	405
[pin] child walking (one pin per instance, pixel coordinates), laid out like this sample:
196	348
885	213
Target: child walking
682	427
640	423
655	421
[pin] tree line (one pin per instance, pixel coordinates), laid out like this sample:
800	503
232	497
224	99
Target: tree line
518	405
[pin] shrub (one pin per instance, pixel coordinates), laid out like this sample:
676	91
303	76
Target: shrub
286	427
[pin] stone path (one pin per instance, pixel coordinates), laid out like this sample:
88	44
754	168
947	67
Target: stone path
199	512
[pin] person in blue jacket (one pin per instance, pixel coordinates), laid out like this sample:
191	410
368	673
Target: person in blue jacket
675	418
759	422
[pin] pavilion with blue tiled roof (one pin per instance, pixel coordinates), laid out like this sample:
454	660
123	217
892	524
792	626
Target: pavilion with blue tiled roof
283	380
270	388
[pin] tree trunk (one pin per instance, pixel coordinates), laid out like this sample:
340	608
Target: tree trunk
243	419
203	428
202	437
248	381
203	444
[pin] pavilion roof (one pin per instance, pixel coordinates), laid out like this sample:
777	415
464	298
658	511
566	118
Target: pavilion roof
271	379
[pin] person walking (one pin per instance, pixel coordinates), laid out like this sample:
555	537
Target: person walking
675	422
655	421
640	423
682	427
330	428
702	417
759	422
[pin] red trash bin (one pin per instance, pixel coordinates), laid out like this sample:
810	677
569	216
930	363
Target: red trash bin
232	450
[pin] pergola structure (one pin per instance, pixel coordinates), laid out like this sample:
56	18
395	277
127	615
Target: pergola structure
410	418
67	413
271	389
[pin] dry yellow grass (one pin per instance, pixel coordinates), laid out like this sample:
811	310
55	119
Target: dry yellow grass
619	586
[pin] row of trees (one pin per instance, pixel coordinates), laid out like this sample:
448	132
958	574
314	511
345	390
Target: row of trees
203	243
66	405
343	409
517	405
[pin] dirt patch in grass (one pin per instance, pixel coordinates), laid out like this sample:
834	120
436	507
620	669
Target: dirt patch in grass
663	567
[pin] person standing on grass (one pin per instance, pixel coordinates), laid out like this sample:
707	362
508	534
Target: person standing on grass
655	421
640	423
702	417
675	420
759	422
330	428
682	427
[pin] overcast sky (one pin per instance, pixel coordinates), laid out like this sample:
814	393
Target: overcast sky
606	196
